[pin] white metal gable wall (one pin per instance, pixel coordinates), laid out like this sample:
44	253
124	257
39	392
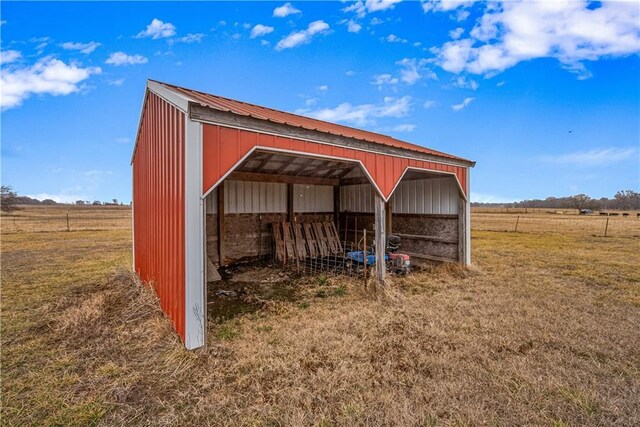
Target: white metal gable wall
312	198
424	196
268	197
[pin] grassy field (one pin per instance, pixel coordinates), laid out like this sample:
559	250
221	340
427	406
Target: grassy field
543	330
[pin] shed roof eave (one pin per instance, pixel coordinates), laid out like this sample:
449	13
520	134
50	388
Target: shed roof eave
207	114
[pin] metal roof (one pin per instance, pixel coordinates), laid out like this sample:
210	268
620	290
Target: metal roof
268	114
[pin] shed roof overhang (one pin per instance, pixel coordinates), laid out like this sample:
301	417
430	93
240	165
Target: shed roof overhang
371	150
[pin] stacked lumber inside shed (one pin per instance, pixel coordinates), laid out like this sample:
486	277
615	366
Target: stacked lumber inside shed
298	241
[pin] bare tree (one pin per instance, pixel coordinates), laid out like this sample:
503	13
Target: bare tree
627	199
9	199
581	201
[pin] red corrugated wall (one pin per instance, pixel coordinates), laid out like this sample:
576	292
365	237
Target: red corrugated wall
158	205
223	147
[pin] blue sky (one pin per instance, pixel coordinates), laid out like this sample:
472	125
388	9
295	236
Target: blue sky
544	96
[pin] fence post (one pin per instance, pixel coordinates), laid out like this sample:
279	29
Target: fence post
606	227
364	257
517	221
68	222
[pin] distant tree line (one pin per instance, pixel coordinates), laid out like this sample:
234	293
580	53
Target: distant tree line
11	200
623	200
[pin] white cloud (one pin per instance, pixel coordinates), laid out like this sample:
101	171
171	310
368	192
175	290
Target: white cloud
350	73
4	21
285	10
158	30
323	88
457	33
444	5
384	79
9	56
361	8
405	127
464	83
463	104
260	30
116	82
412	70
297	38
123	140
392	38
500	83
571	32
47	76
353	26
85	48
58	198
192	38
97	172
595	157
265	43
363	114
429	104
462	15
489	198
121	58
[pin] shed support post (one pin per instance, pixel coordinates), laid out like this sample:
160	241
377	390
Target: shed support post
221	253
380	239
389	218
467	221
464	226
336	206
195	281
290	202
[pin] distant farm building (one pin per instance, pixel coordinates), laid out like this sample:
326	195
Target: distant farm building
211	174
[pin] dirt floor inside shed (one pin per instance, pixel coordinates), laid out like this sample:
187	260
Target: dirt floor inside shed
542	330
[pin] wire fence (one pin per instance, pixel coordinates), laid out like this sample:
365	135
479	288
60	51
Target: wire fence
28	220
591	225
33	221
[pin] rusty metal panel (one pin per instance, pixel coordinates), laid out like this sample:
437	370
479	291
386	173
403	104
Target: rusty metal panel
158	205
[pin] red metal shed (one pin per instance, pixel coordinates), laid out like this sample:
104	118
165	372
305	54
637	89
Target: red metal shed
190	142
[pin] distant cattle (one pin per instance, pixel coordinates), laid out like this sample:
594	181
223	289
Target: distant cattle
603	214
614	214
625	214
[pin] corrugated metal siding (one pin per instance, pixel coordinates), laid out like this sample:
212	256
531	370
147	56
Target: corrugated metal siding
263	113
224	147
426	196
312	198
357	198
254	197
211	202
158	205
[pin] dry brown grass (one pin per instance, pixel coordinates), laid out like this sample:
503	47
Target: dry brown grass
543	330
542	222
38	218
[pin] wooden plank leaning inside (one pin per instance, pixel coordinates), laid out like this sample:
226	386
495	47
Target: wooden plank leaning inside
296	241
